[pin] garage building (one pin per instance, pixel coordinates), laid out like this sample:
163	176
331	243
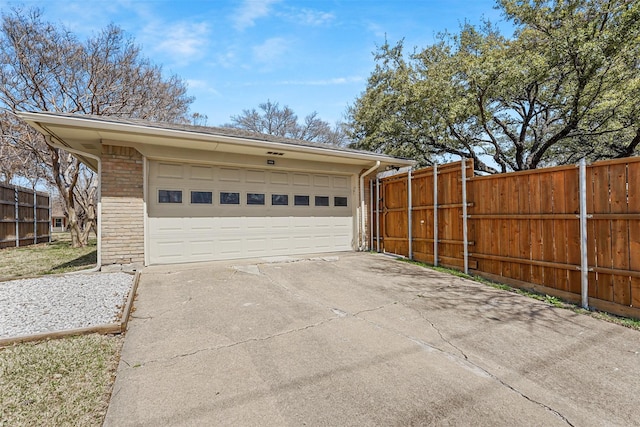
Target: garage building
177	193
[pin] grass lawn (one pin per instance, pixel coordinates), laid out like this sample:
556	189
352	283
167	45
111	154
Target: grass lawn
46	258
63	382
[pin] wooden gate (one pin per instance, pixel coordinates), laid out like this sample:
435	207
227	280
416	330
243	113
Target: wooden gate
432	230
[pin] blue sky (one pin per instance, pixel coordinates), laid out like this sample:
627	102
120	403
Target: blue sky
309	55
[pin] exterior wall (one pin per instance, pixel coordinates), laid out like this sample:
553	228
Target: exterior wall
63	220
122	220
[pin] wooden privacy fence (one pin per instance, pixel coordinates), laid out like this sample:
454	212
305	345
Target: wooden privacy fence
571	232
25	216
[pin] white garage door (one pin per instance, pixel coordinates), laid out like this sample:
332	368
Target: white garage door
202	213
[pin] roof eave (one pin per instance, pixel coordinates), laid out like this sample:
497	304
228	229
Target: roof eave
38	119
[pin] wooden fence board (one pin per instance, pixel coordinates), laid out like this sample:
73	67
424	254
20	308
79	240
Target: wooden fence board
591	233
633	177
525	226
619	233
422	214
572	206
545	206
604	282
559	229
481	203
519	246
536	228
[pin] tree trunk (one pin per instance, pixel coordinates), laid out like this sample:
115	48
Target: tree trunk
65	176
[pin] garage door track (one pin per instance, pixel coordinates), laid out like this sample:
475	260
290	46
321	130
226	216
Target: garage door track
362	339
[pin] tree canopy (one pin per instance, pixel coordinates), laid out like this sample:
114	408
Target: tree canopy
271	119
44	67
565	86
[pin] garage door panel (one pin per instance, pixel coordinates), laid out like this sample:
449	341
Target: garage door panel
170	170
167	251
201	247
199	225
279	178
201	173
229	246
340	182
257	245
184	232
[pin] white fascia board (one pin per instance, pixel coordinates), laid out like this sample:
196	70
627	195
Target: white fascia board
128	128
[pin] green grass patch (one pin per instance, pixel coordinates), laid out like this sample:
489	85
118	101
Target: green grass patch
64	382
46	258
551	300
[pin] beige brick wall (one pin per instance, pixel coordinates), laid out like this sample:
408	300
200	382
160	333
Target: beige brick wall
122	206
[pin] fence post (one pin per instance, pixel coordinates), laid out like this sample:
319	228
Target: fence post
17	212
50	227
465	237
371	221
409	214
377	214
435	214
584	261
35	217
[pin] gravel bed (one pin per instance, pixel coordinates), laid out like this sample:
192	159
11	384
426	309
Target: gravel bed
58	303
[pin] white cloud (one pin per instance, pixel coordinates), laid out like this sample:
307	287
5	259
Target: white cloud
311	17
249	11
202	86
376	29
183	42
271	50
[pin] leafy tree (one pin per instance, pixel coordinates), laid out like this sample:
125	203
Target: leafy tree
270	119
561	89
44	67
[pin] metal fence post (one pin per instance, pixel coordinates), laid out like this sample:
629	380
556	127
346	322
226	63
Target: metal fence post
35	217
50	212
17	212
409	214
584	261
371	221
435	214
465	237
377	214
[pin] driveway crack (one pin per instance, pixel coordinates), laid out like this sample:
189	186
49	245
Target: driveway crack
380	307
440	334
465	359
248	340
530	399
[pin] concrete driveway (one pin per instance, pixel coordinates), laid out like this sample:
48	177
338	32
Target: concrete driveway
363	339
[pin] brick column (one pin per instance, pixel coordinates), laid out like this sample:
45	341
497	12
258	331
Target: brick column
122	208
